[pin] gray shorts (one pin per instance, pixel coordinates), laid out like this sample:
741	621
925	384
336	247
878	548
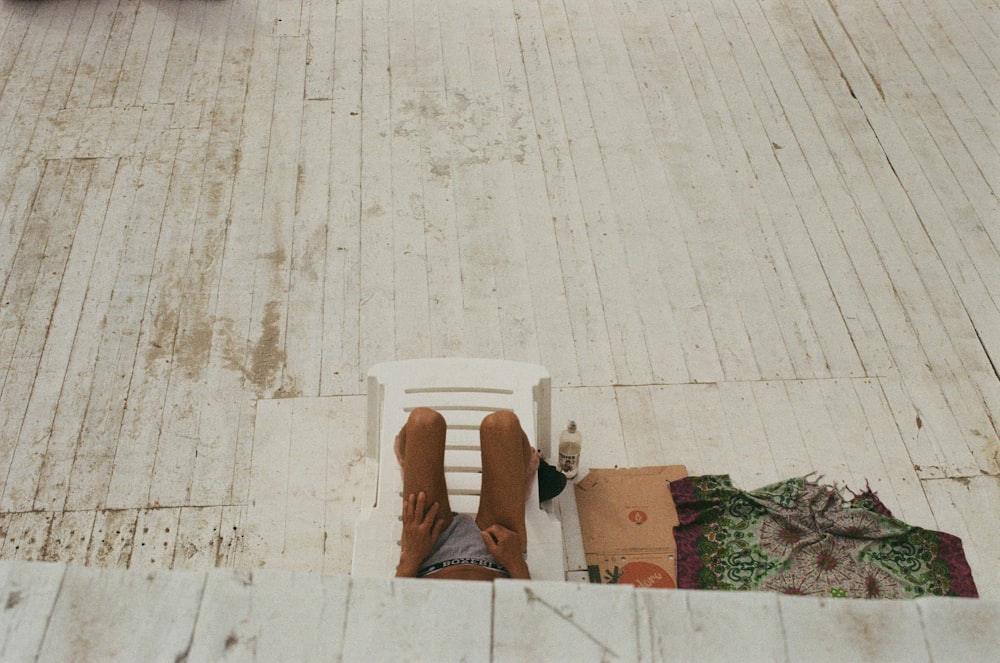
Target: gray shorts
460	543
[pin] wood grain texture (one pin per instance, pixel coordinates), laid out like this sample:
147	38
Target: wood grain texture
758	239
265	614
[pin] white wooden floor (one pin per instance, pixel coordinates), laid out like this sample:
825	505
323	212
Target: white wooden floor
760	238
269	615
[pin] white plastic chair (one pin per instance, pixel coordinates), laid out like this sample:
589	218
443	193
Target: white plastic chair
463	391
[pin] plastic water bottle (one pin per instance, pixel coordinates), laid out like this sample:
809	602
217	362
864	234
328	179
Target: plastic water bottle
570	442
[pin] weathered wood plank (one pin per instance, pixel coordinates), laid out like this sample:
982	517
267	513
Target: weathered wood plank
69	537
376	299
112	539
381	623
407	216
753	463
109	614
959	628
67	296
783	435
271	615
580	283
306	291
341	370
264	524
886	435
551	621
690	625
28	593
750	238
538	233
765	138
351	479
306	490
199	535
857	630
155	538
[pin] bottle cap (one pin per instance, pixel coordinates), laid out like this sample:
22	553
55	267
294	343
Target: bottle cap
571	426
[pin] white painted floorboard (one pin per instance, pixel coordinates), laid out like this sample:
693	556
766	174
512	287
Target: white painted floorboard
221	614
759	238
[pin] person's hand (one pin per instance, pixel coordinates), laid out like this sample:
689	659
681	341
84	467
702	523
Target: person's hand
421	530
505	546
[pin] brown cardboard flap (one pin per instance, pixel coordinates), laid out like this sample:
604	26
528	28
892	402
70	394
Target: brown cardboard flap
627	520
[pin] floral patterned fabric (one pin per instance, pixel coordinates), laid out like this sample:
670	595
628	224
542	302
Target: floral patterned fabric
800	537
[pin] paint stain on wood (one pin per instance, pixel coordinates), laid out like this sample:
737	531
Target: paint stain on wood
289	390
234	349
278	256
191	346
992	453
163	334
194	348
259	365
267	356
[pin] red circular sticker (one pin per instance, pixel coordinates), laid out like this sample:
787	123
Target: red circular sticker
645	574
638	517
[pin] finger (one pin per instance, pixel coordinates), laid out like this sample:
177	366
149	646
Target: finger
437	529
500	530
497	533
408	508
431	516
421	500
490	543
492	532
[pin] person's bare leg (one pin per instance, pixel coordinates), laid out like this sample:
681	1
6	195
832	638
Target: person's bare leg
420	451
507	461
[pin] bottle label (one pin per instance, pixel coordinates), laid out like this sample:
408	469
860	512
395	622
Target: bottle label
569	460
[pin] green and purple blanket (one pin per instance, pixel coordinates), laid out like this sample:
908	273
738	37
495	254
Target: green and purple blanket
801	537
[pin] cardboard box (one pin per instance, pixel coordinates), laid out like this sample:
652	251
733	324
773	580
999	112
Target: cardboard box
627	519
